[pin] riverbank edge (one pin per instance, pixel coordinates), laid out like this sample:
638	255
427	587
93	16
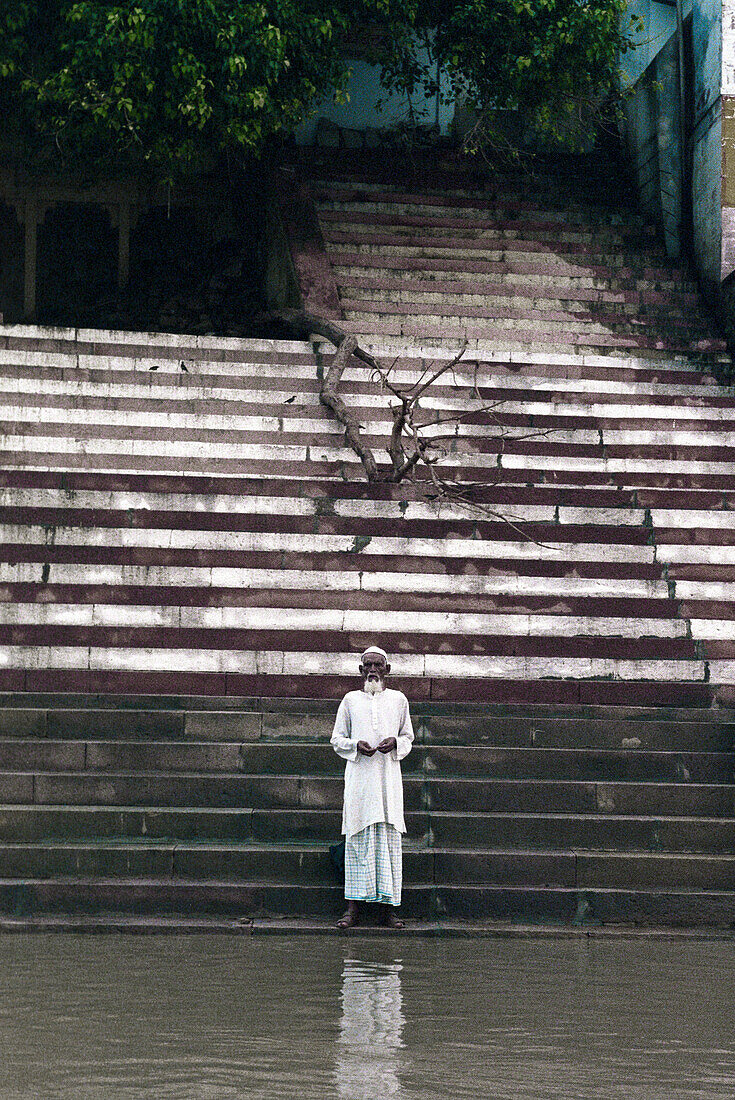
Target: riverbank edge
128	925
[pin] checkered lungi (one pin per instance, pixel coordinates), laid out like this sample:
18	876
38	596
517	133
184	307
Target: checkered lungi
374	865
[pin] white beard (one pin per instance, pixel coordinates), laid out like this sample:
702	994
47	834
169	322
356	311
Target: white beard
373	687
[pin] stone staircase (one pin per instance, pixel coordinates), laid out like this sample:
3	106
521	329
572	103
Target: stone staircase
496	268
191	562
117	807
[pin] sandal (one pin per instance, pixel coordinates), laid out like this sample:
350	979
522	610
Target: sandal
349	920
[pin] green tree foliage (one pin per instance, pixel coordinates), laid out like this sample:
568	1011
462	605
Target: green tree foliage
554	62
172	83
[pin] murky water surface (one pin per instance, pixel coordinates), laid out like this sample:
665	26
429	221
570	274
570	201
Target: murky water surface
194	1018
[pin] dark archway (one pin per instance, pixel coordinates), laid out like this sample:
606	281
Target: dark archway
77	262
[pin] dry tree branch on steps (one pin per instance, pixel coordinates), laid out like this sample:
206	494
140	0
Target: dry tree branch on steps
407	448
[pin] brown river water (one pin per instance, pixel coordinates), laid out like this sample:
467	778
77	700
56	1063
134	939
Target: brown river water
359	1018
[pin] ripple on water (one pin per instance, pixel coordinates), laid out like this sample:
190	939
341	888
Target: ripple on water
197	1018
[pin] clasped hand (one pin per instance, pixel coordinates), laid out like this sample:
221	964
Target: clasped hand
385	745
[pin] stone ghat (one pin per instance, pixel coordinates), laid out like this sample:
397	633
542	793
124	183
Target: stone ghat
206	529
191	561
149	809
504	270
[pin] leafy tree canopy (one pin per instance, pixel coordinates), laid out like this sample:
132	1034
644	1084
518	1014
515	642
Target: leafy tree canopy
172	83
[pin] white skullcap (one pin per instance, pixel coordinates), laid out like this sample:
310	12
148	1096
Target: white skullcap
374	649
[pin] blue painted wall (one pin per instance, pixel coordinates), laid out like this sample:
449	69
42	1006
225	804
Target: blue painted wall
370	106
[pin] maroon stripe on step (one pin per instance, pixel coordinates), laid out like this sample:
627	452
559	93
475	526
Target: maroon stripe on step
346	469
325	641
361	490
589	692
461	690
196	596
487	530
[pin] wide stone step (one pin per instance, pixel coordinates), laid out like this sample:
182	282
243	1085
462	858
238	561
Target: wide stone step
339	465
453	830
146	377
487	795
463	208
400	287
567	411
100	662
271	729
603	602
565	426
300	866
236	860
474	332
496	227
27	897
588	307
433	762
466	206
314	613
29	823
458	245
342	224
479	689
560	504
560	415
594	906
185	448
573	378
353	261
571	324
463	459
581	832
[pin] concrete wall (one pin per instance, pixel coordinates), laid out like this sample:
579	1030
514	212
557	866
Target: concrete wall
728	138
653	128
707	136
659	23
668	102
371	107
653	125
642	127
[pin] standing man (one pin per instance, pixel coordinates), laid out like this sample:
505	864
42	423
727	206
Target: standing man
373	733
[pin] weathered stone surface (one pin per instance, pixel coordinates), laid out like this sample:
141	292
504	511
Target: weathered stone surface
222	726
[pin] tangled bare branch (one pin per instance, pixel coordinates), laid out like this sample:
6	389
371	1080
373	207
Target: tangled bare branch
408	448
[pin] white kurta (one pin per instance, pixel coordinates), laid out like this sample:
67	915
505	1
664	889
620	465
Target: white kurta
373	785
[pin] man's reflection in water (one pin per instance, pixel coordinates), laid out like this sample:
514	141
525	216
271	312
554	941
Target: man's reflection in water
371	1031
